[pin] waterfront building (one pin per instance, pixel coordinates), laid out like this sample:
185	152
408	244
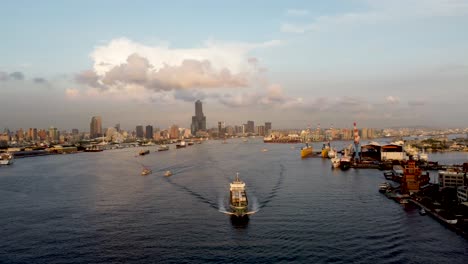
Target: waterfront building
392	152
221	131
149	132
117	127
230	131
413	179
95	127
260	130
174	132
250	126
462	194
451	178
53	134
267	128
139	131
75	131
199	119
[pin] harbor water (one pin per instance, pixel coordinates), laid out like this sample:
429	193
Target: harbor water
97	208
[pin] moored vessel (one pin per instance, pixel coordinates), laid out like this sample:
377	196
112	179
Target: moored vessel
238	198
6	158
335	162
181	144
163	148
306	151
345	162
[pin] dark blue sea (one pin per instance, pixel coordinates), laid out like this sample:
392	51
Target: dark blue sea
97	208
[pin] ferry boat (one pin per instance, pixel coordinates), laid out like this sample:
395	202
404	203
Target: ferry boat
163	148
144	152
238	198
181	144
145	172
306	151
168	173
6	158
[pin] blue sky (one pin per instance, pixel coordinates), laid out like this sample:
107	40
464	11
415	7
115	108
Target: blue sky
380	63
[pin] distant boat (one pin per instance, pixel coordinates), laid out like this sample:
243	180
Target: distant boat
335	162
383	187
264	150
190	143
144	152
168	173
6	158
163	148
306	151
146	171
93	148
345	162
238	198
181	144
422	211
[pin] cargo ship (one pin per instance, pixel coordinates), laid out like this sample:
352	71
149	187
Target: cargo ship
306	151
238	198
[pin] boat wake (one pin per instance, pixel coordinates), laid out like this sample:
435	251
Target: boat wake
275	189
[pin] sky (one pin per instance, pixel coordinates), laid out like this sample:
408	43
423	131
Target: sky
294	63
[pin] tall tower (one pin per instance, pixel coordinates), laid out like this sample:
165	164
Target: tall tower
198	120
95	127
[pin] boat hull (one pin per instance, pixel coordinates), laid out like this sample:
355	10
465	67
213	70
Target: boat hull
306	152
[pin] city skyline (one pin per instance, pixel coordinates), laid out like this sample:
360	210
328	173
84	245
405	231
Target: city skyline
380	63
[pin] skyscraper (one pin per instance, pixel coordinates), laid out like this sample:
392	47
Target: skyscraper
149	132
95	127
267	128
198	120
174	132
250	127
139	131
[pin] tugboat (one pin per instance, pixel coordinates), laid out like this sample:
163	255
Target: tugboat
238	198
306	151
6	158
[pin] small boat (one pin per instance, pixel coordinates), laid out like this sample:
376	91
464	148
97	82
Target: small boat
6	158
422	211
181	144
264	150
190	143
345	163
168	173
335	162
306	151
238	198
144	152
383	187
404	201
388	175
163	148
146	171
451	221
331	153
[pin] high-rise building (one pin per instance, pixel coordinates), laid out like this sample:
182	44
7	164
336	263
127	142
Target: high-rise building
117	127
267	128
260	130
53	134
250	127
95	127
198	120
221	131
174	132
149	132
139	131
